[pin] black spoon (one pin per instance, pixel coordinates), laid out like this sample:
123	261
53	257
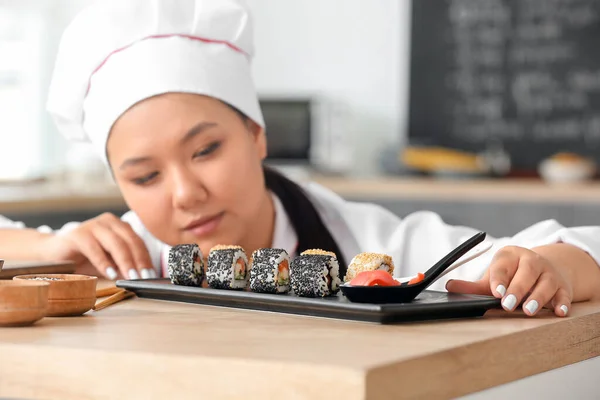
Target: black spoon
405	293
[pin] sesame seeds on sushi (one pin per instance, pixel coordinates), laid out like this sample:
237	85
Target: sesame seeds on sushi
227	267
369	262
186	265
319	252
269	271
315	273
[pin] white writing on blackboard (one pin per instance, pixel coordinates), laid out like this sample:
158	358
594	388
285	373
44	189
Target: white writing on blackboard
525	73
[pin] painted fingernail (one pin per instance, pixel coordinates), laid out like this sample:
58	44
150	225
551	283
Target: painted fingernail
111	273
564	309
133	274
146	273
509	302
532	306
153	274
501	290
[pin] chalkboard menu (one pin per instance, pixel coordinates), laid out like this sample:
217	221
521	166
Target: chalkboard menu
523	73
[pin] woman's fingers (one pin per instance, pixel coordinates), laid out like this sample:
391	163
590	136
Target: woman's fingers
525	278
562	302
502	270
481	287
518	275
118	250
90	247
111	246
545	289
137	248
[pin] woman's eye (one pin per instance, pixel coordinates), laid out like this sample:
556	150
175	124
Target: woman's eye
211	148
145	179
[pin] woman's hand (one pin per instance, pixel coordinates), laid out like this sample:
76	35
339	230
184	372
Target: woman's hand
518	275
107	243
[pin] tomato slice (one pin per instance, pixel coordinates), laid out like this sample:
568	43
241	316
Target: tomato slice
374	278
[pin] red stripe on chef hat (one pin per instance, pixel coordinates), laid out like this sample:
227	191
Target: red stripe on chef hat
191	37
91	53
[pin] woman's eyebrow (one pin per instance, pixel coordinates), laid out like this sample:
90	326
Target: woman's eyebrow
134	161
196	130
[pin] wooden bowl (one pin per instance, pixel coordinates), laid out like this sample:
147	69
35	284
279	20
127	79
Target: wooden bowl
23	303
69	295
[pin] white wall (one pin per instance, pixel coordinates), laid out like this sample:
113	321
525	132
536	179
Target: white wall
21	33
30	143
353	52
60	13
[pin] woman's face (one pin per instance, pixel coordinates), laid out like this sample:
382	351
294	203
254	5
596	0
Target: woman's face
190	168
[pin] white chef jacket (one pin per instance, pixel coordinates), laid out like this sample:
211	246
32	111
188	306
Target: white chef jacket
415	242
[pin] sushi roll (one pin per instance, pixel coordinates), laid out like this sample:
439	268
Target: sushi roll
319	252
227	268
369	262
186	265
315	273
270	271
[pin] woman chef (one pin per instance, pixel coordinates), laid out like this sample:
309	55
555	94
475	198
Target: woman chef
163	90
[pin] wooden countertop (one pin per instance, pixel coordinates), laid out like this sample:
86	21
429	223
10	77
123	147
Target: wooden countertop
56	197
153	349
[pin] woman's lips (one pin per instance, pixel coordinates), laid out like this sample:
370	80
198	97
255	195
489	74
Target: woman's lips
204	226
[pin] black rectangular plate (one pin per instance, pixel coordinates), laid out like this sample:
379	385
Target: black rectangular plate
429	305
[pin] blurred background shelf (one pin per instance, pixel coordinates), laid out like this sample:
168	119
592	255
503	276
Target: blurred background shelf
477	202
509	190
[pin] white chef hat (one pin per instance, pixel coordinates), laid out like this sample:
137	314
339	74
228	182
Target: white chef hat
119	52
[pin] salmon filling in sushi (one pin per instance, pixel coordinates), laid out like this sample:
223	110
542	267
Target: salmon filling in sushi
227	268
186	265
270	271
240	269
283	273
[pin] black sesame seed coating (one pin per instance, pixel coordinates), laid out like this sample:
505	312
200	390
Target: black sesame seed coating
268	255
221	264
262	278
181	265
263	272
307	275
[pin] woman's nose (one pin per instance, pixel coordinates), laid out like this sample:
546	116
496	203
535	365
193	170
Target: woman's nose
188	190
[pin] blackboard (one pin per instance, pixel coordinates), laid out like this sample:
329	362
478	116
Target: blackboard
523	73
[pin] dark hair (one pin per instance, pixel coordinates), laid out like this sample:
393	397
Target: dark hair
310	229
312	232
